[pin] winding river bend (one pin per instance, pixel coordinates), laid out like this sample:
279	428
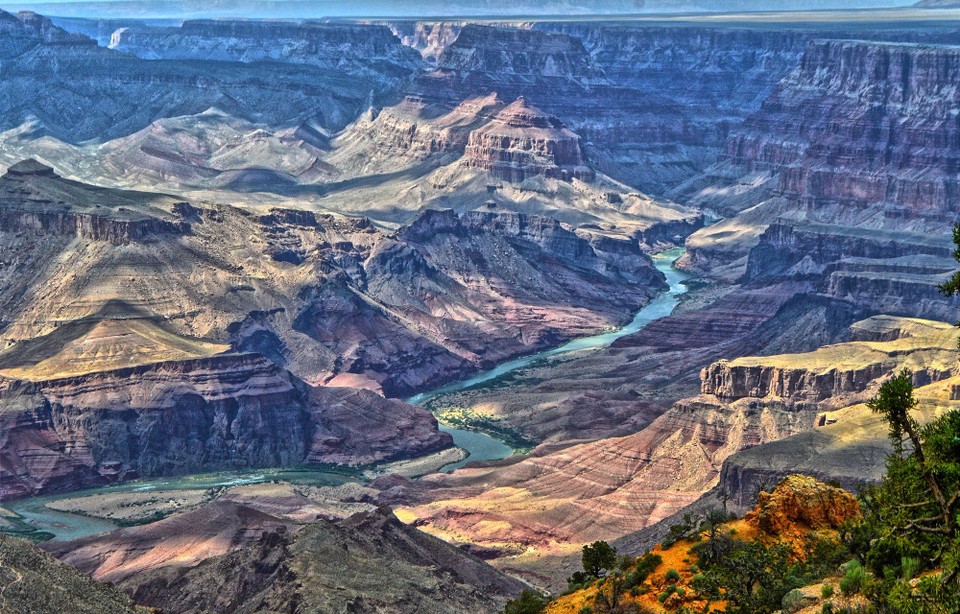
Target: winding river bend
483	447
479	446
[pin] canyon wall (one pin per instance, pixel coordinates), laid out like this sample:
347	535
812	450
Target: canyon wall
359	48
78	91
177	417
862	124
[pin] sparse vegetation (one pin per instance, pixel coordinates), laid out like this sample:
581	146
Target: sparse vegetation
529	602
910	523
598	558
461	418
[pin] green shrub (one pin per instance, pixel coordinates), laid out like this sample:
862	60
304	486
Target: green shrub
826	591
529	602
645	566
598	558
672	575
909	567
666	593
854	580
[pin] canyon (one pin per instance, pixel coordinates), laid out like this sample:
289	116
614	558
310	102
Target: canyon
240	247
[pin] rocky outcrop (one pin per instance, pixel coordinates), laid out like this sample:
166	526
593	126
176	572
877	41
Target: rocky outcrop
802	500
732	382
180	417
25	27
35	200
521	141
834	371
850	446
430	39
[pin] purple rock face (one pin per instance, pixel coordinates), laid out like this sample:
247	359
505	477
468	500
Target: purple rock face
862	124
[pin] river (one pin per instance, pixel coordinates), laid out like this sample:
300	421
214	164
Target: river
483	447
479	446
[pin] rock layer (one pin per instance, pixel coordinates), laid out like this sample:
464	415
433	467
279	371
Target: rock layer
521	141
171	418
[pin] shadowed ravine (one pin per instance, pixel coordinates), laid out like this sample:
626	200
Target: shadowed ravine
484	447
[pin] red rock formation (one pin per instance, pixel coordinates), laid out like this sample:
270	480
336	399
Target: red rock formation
801	500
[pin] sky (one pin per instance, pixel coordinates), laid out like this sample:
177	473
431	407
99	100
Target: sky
413	8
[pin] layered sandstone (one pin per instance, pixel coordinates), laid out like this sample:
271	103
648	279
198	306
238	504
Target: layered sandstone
37	201
837	370
893	147
185	416
851	447
858	135
888	271
521	141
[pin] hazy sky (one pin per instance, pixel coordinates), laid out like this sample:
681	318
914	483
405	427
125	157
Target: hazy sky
413	8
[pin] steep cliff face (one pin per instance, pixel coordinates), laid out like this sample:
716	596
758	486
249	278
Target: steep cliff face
862	134
887	271
557	499
851	448
521	141
519	52
684	123
27	29
363	49
180	417
36	201
834	372
878	130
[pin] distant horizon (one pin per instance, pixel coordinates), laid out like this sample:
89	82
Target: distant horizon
451	9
